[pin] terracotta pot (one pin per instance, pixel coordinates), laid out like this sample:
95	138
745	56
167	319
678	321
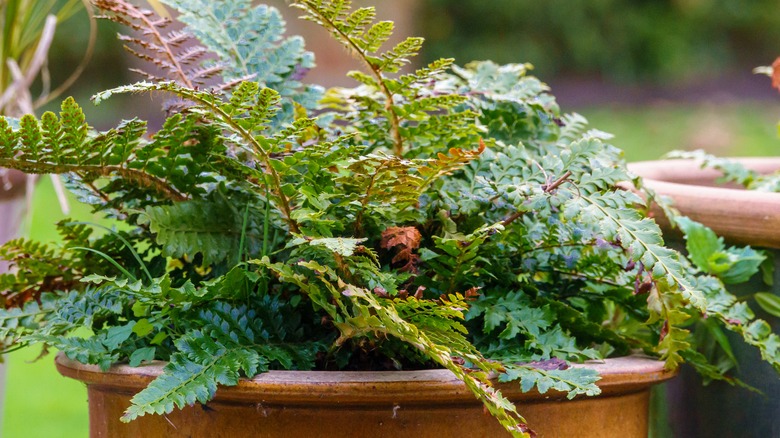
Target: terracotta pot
429	403
741	217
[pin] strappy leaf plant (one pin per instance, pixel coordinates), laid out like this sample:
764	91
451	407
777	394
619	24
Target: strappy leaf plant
437	216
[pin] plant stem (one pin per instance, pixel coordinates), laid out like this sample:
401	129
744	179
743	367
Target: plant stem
555	184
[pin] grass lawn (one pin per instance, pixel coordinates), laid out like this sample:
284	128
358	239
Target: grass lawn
40	403
731	129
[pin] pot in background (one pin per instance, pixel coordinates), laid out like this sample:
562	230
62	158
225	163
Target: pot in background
741	217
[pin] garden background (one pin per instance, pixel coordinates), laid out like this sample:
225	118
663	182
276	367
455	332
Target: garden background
659	75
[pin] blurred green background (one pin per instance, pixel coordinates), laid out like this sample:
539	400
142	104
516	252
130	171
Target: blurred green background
618	40
659	75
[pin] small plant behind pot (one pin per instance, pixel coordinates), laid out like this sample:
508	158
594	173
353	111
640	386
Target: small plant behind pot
450	217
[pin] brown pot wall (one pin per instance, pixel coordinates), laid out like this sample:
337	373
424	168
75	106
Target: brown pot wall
420	404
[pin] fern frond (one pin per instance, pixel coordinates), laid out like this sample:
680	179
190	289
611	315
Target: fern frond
203	227
573	381
233	341
88	351
192	375
160	47
262	54
61	145
241	132
386	319
24	319
396	58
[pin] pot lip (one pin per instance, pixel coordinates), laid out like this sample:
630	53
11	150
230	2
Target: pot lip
689	172
618	375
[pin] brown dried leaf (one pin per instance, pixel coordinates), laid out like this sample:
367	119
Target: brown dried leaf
407	237
405	240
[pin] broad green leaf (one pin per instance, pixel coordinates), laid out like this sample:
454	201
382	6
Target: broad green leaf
141	355
769	302
115	336
142	327
701	242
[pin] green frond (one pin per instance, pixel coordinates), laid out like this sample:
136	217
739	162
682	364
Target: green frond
573	381
371	316
733	171
262	54
17	321
193	374
396	58
203	227
88	351
233	342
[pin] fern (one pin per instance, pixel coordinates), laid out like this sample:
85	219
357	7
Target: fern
408	116
88	351
169	50
199	227
445	217
150	167
573	381
193	375
231	343
262	54
19	321
516	329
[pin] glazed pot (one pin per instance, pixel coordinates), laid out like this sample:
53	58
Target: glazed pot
420	404
740	217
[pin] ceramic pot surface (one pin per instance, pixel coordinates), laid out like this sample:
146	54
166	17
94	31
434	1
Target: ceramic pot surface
427	403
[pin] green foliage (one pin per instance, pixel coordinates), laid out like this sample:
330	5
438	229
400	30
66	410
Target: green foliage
233	341
574	381
262	54
448	217
769	302
709	253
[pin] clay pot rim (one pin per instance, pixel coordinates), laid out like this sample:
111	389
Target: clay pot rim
619	376
690	173
741	216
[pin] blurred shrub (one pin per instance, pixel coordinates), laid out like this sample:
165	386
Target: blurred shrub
623	40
